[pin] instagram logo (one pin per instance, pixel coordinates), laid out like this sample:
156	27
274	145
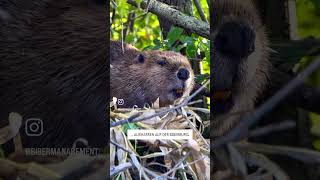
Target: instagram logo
34	127
120	102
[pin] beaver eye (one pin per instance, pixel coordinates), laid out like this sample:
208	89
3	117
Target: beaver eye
141	58
162	62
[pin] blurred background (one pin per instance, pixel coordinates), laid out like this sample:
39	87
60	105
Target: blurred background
293	28
308	15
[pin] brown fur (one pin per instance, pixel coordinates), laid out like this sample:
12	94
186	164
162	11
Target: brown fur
140	83
249	86
53	66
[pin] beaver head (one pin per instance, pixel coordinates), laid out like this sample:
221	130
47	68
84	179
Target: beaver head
240	61
150	75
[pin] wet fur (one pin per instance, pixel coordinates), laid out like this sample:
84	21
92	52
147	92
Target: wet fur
252	73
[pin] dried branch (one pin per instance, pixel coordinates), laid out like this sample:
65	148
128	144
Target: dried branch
176	167
175	17
135	162
265	163
305	96
237	161
120	146
247	121
163	112
304	155
284	125
120	168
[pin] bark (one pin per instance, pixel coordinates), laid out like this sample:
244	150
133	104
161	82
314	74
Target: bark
175	17
184	6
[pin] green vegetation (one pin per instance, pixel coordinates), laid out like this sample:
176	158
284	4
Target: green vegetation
308	14
145	34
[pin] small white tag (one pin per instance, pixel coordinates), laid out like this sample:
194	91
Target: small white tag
160	134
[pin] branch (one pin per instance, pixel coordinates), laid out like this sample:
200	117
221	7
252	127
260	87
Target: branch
305	96
134	162
304	155
263	162
121	147
141	118
272	128
247	121
176	167
200	11
120	168
175	17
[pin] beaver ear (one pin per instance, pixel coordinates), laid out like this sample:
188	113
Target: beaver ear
140	58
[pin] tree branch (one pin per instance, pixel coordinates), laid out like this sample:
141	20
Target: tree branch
305	96
200	11
175	17
304	155
284	125
263	162
120	168
247	121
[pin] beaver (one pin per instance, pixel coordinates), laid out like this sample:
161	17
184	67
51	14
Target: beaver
54	70
240	65
140	78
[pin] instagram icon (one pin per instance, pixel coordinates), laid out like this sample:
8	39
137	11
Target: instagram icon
34	127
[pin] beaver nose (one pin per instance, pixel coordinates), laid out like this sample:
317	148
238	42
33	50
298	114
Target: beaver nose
183	74
235	40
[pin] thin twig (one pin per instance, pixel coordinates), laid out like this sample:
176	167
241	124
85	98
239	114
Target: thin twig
301	154
236	113
284	125
117	169
135	161
264	163
176	166
121	147
247	121
141	118
200	11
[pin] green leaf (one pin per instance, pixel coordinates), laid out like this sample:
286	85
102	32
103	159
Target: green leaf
173	35
187	39
315	128
177	49
316	144
191	51
201	77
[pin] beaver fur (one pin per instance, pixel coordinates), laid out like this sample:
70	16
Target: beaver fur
250	72
54	66
140	78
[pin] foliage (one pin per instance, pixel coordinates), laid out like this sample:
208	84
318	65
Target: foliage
308	12
146	34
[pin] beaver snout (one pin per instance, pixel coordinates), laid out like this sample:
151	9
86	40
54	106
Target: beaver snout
178	92
183	74
235	40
